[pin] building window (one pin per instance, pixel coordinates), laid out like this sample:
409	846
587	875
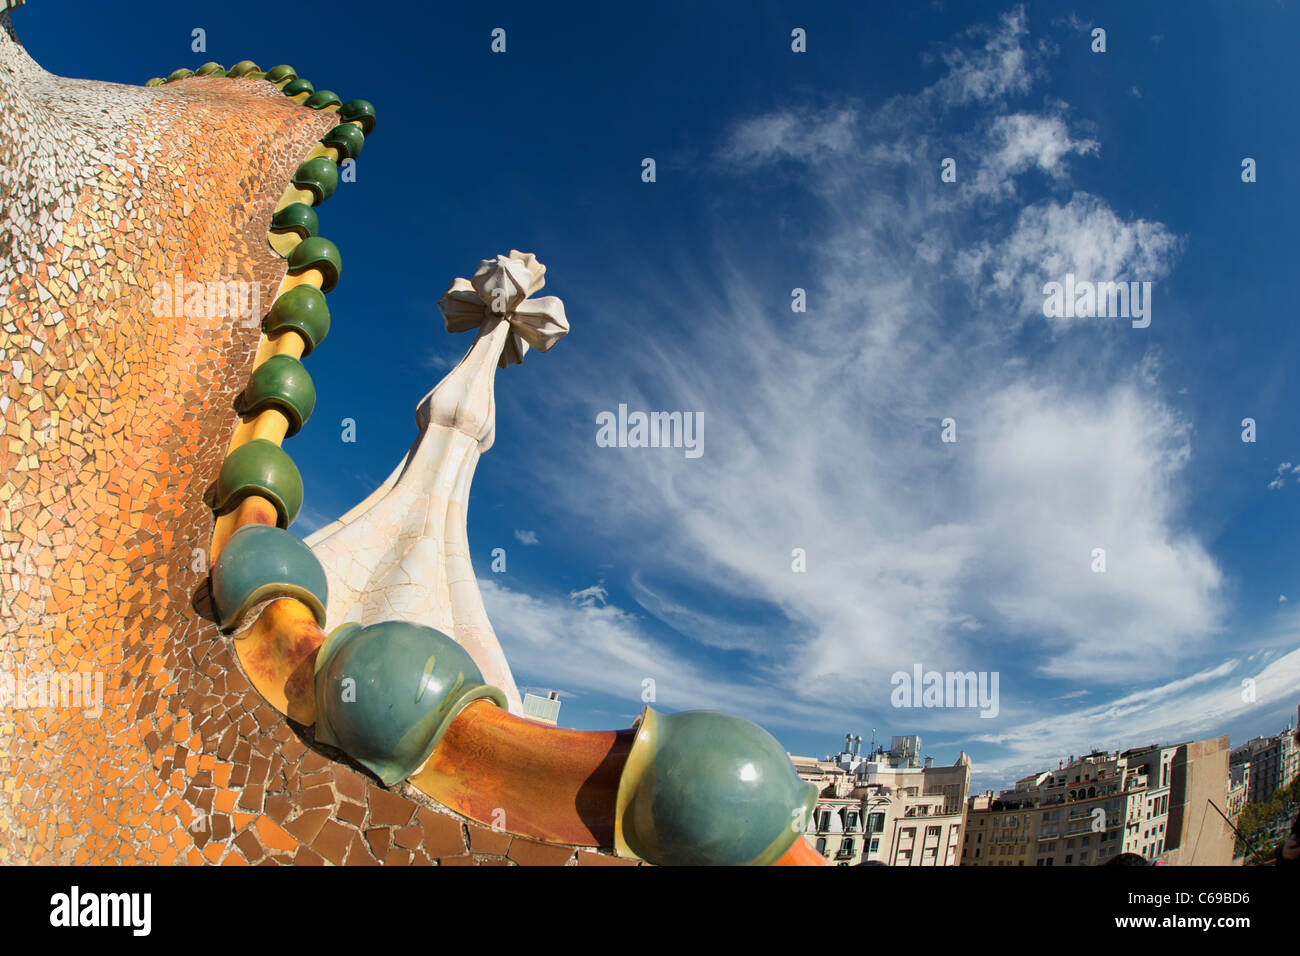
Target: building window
821	845
875	845
933	832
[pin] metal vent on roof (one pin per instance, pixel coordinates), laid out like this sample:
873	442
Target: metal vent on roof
542	708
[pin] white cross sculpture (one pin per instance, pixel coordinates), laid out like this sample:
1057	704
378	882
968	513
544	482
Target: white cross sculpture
402	553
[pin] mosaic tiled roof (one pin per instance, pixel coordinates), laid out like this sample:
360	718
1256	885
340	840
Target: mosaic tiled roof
143	512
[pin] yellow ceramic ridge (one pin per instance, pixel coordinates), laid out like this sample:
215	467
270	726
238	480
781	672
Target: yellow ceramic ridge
639	762
268	636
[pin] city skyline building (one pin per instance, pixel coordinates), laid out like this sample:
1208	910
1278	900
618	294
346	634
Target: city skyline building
892	807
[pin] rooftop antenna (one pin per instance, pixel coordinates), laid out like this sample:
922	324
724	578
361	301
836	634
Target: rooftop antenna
1250	847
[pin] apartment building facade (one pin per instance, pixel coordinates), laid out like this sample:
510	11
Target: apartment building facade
891	807
1152	801
1273	762
1238	787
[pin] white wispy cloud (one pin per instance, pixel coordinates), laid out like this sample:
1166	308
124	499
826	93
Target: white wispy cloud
1002	65
1084	237
1279	479
1025	141
806	135
1182	709
590	597
599	648
526	537
825	436
712	630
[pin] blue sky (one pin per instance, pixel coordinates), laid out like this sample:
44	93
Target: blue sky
821	171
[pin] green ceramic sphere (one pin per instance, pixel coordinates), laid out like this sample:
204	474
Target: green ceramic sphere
386	693
297	85
180	74
319	176
281	382
210	69
322	99
296	217
321	254
282	72
259	563
243	68
361	112
708	789
156	81
347	138
303	310
260	467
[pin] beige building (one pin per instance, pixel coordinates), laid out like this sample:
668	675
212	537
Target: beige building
1152	801
1197	835
890	806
